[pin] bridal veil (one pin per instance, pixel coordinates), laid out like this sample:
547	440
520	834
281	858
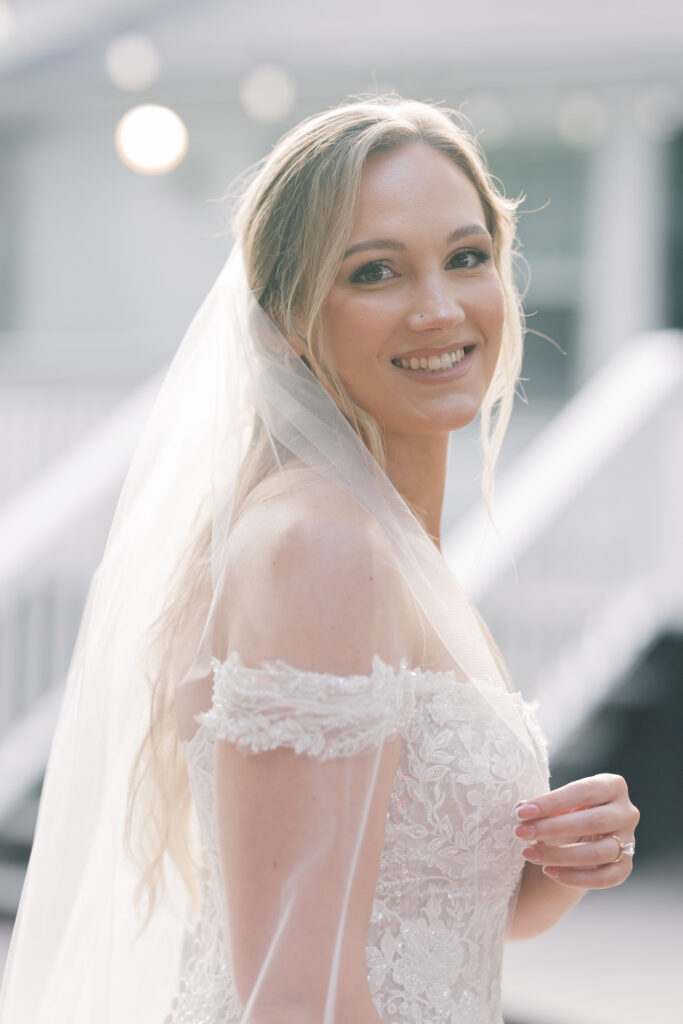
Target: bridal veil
79	953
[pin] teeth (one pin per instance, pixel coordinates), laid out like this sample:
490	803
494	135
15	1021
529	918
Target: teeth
433	364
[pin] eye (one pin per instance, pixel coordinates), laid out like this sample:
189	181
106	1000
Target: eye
371	273
466	259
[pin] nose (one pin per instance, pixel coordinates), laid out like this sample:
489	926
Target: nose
435	306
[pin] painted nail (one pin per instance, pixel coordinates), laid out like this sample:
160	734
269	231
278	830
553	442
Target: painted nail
532	854
525	831
551	872
526	811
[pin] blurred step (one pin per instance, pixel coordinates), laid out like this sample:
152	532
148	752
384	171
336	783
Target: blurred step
613	959
11	883
636	733
16	838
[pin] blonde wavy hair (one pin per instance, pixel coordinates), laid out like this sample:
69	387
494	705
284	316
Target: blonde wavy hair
293	217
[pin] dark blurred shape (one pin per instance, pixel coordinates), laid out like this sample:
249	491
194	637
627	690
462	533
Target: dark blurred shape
637	734
551	230
674	298
547	372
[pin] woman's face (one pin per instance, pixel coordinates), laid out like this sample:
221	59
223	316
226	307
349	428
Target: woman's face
417	288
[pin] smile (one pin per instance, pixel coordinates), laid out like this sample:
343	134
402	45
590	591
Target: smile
437	366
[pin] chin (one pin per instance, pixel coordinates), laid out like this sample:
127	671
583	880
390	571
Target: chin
464	421
462	417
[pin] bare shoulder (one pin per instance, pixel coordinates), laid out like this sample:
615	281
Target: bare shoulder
314	584
305	525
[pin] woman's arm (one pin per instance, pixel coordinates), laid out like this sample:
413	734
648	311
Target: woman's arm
571	848
300	835
289	828
604	806
540	904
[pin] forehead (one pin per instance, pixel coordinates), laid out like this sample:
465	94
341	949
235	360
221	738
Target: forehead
412	185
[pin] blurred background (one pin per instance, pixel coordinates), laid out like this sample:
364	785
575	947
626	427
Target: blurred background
124	123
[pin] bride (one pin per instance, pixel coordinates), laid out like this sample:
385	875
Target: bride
292	780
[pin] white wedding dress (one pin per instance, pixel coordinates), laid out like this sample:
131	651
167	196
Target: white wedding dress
433	951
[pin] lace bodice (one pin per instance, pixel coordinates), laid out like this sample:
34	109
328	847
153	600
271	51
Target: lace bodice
450	861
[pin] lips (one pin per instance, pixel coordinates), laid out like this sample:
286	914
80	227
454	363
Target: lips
447	369
424	353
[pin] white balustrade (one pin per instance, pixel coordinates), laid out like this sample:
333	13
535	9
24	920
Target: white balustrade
589	511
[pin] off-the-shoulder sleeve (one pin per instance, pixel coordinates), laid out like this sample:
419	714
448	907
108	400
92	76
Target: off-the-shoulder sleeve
317	714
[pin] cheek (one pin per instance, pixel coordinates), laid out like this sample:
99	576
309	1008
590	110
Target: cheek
349	314
492	306
492	321
354	328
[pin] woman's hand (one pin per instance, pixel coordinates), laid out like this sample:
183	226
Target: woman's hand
569	831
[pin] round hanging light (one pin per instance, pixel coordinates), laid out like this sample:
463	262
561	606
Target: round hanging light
268	93
7	20
490	116
581	120
132	62
658	111
151	139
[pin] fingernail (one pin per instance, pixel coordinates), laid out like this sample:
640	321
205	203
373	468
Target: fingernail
523	811
551	872
531	854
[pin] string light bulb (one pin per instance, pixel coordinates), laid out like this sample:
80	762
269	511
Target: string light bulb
151	139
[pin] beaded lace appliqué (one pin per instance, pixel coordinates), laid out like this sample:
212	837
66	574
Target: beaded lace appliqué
450	861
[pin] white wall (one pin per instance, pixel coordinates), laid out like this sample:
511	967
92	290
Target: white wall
102	247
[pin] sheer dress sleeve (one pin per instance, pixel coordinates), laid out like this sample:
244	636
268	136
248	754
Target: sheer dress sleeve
303	770
318	714
307	712
304	764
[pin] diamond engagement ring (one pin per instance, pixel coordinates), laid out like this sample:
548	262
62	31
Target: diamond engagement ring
628	848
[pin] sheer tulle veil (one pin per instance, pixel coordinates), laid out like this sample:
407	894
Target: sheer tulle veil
78	953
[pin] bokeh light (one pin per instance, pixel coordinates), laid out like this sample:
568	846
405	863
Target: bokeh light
658	111
268	93
151	139
132	62
7	20
490	118
581	120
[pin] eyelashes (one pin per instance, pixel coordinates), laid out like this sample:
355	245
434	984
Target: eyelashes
370	273
464	259
479	256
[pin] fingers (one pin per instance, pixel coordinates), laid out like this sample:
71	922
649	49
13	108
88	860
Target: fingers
596	805
601	853
588	792
603	877
571	831
567	828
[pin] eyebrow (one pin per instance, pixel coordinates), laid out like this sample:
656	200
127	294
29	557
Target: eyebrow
391	243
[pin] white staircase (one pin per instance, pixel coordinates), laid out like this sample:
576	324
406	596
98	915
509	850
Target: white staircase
589	512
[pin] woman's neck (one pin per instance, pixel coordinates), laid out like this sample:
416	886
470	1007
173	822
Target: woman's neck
417	468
